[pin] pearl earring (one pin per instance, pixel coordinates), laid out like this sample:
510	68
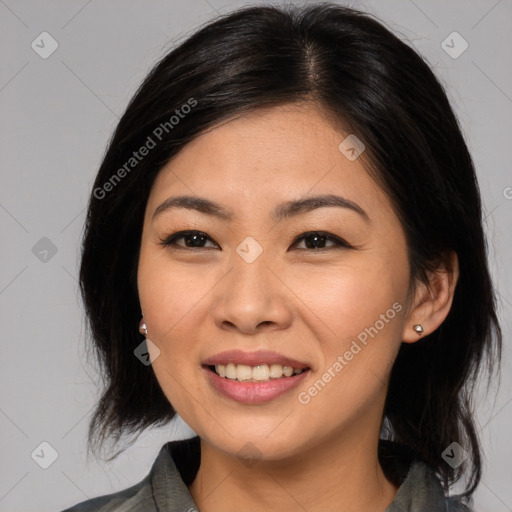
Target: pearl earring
143	328
418	328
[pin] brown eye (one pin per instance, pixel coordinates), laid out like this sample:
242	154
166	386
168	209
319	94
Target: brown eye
317	240
192	239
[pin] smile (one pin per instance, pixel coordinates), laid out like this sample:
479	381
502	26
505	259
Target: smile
254	377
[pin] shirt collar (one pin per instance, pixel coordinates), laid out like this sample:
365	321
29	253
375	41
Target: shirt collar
172	471
178	461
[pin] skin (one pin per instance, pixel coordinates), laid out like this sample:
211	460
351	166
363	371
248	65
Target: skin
305	303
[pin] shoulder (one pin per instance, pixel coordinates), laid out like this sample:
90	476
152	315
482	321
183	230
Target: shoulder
421	491
137	497
164	488
419	488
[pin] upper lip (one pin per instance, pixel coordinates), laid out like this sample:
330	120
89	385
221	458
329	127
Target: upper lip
253	359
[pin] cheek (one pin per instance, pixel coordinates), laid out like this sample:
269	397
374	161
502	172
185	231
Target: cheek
168	295
170	299
174	300
351	299
363	312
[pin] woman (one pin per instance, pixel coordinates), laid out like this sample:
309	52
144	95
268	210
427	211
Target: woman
284	246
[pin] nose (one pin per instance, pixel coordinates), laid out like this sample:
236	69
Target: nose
252	298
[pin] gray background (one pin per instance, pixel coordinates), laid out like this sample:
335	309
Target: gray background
56	116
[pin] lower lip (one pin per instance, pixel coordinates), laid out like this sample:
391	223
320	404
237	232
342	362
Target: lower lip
254	392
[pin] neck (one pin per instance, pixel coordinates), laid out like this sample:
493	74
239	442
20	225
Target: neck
339	474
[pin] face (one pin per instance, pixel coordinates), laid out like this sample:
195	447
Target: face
258	288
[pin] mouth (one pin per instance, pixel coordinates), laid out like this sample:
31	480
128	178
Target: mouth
256	377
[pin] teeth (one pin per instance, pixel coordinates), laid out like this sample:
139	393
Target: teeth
231	371
260	372
288	371
243	372
276	371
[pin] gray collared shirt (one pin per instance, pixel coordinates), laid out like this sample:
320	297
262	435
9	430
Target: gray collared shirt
164	488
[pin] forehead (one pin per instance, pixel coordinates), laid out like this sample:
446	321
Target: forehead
266	157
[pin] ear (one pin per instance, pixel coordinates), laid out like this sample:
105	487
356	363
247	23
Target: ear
432	300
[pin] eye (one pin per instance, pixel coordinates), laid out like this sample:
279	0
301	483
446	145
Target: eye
317	239
196	239
193	240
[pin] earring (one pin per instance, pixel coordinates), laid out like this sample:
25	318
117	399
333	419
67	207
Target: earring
418	328
142	327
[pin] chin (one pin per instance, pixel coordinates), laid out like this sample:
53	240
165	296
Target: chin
264	440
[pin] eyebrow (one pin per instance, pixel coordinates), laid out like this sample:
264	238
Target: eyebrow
282	211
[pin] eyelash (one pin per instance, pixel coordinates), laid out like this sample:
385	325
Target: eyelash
169	241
